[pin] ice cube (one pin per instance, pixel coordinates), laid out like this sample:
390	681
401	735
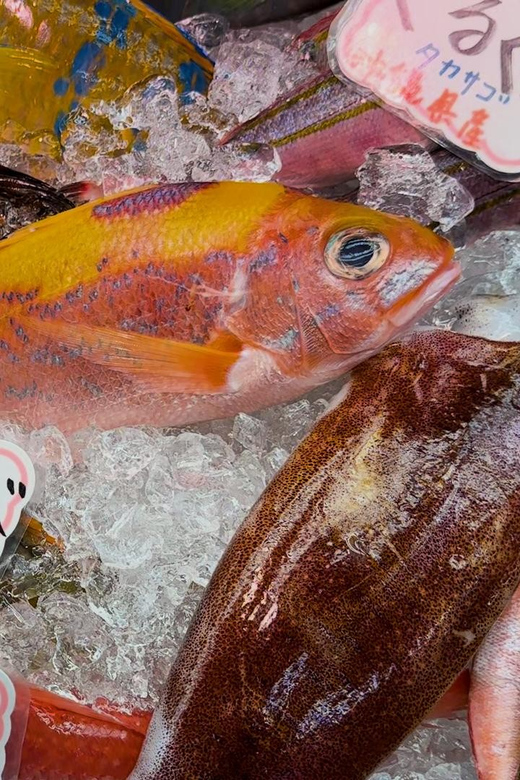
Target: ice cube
49	446
246	78
159	484
444	772
250	432
235	162
405	180
111	454
289	424
274	461
207	30
450	740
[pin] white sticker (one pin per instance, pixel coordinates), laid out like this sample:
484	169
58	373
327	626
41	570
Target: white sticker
7	702
452	66
17	482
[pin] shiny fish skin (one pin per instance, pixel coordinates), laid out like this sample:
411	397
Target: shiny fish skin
318	116
180	303
363	580
67	741
57	57
321	114
494	703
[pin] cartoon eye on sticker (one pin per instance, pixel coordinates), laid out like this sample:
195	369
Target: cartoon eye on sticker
17	482
7	702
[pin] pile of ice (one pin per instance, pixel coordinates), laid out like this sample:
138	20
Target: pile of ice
486	300
144	516
440	750
179	140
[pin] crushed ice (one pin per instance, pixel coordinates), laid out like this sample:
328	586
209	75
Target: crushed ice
405	181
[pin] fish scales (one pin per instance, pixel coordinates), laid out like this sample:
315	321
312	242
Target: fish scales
320	114
58	58
177	303
362	582
324	113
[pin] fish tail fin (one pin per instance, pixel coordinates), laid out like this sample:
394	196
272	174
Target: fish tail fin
21	190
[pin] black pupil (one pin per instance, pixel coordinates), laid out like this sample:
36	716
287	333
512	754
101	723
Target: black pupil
357	252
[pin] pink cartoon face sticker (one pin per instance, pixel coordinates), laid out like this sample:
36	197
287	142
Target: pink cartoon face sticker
17	481
7	703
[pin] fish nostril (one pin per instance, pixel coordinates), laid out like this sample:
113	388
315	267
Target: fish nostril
22	490
10	486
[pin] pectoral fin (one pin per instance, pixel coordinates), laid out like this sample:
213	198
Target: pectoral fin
156	364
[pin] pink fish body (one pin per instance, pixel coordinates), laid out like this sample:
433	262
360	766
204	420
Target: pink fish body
494	704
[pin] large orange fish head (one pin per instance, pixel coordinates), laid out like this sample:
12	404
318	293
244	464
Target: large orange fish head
362	277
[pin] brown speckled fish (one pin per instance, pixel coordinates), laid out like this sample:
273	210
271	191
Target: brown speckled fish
362	582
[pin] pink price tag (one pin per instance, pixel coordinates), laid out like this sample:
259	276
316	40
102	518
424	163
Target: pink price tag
451	68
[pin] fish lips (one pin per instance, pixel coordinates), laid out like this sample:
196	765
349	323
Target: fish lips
410	310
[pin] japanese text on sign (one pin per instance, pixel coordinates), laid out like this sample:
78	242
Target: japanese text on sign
454	68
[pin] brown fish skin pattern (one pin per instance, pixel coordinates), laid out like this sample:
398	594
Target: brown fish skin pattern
363	580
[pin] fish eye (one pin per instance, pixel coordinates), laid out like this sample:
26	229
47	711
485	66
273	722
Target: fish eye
356	253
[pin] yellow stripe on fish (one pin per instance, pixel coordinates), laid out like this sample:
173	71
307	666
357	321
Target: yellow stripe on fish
171	228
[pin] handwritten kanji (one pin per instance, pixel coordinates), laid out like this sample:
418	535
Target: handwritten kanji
397	76
490	93
442	108
450	66
429	52
377	68
360	61
412	91
469	80
471	131
504	99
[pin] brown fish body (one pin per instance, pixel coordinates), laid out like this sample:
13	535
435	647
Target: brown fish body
363	580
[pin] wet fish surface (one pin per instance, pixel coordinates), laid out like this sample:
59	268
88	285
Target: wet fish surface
363	580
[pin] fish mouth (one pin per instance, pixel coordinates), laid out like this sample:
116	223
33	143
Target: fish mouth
416	304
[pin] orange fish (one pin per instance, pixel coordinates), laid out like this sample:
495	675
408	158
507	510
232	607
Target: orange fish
174	304
54	738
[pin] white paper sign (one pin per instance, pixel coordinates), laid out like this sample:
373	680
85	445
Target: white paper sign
452	65
17	482
7	702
